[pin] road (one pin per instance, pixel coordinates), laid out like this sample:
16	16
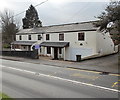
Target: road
27	80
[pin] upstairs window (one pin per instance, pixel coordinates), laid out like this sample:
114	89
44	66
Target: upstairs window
20	37
29	37
61	37
47	37
81	36
39	37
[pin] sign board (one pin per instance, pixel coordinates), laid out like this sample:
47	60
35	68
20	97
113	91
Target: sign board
110	24
37	46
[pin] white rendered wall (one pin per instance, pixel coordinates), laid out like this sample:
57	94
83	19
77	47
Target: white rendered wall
88	48
105	44
95	42
34	37
17	37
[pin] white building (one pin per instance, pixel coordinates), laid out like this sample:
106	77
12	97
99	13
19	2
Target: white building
66	41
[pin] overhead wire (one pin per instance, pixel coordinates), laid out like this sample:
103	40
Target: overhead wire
25	10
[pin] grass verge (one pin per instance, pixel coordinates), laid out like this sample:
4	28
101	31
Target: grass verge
4	97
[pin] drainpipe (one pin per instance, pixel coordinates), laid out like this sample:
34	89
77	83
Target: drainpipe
42	40
64	53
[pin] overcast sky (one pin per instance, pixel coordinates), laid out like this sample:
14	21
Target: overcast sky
58	11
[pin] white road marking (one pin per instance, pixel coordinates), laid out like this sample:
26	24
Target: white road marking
59	78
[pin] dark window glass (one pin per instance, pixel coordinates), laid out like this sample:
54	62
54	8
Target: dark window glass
81	36
29	37
20	37
61	37
24	47
60	50
16	47
39	37
48	50
47	37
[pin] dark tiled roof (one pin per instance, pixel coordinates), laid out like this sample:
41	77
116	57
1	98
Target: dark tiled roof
55	44
73	27
24	42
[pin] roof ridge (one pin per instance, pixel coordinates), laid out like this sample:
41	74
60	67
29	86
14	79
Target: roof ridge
70	24
60	25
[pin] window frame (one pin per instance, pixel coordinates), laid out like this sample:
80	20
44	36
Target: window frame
47	36
29	37
20	37
81	36
39	37
61	37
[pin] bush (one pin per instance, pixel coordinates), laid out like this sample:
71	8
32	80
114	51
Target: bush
6	46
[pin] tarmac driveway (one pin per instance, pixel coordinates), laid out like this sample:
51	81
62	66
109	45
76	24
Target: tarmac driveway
110	61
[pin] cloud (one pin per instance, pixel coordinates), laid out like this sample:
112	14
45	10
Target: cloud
54	12
70	12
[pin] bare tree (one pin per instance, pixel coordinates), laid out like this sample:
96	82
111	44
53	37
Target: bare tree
8	27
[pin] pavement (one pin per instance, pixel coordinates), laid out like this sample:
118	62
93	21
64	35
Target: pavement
107	64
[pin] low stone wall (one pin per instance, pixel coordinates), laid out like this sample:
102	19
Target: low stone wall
26	54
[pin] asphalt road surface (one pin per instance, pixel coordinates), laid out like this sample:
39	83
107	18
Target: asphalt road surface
27	80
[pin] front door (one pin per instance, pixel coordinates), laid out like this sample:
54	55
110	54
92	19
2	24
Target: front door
55	53
29	48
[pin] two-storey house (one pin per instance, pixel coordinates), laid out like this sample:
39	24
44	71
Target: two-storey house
66	41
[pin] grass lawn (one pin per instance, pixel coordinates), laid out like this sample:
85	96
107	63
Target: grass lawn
4	97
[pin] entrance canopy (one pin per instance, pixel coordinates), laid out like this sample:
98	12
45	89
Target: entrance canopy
55	44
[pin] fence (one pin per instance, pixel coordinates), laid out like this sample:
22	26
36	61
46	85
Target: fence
26	54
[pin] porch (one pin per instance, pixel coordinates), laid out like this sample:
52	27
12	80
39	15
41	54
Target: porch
22	45
57	51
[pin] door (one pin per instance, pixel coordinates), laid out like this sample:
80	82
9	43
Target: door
55	53
29	48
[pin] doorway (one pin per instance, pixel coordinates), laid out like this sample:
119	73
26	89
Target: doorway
55	53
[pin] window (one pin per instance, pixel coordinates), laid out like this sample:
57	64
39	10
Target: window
60	50
39	37
81	36
15	47
24	47
47	37
20	37
29	37
48	50
61	37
